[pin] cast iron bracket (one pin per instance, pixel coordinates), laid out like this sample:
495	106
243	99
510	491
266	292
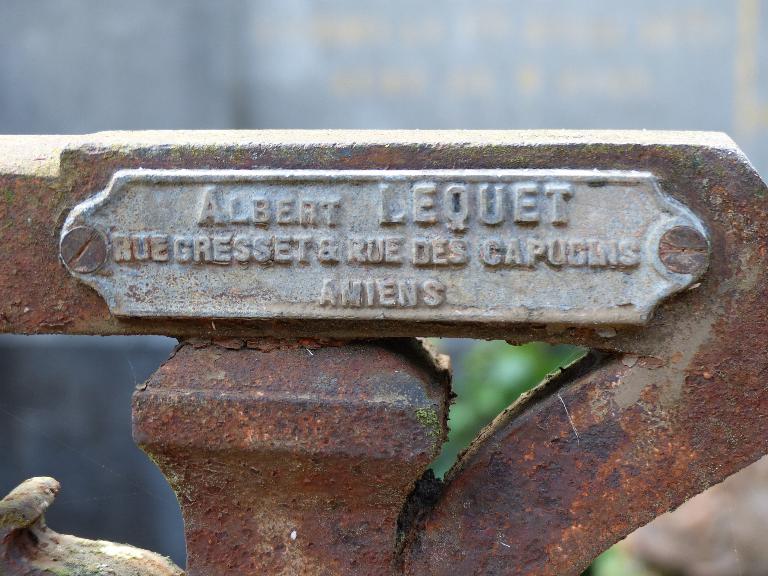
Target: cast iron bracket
290	458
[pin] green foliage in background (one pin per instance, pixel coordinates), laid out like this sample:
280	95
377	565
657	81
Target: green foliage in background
490	377
616	562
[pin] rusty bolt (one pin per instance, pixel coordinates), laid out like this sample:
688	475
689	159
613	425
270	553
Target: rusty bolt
84	249
684	250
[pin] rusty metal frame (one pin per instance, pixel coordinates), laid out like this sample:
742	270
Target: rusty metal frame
657	415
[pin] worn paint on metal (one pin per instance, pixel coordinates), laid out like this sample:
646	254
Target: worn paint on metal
455	246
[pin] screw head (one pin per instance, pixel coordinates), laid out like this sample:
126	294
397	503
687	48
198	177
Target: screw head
684	250
84	249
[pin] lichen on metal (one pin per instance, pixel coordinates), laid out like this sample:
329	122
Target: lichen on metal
28	547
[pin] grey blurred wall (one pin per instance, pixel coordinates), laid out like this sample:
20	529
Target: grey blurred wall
73	66
87	65
65	412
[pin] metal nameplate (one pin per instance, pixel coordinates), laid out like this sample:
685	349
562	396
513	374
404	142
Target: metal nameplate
554	246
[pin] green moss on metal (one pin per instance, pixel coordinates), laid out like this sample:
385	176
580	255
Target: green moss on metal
12	519
64	571
428	418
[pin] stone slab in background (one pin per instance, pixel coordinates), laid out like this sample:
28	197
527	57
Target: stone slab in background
79	67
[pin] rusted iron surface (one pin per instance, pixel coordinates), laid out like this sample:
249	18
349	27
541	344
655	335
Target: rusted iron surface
296	460
547	490
41	186
29	548
83	249
684	250
269	443
578	465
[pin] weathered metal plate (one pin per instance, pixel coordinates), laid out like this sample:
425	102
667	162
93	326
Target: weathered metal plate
554	246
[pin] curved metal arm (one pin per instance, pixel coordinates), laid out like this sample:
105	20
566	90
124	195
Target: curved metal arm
667	412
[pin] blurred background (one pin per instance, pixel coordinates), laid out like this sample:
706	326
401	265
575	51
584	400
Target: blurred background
75	66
